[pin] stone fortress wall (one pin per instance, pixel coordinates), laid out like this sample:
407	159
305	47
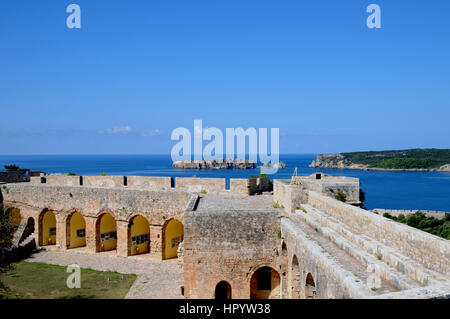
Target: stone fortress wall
238	186
299	242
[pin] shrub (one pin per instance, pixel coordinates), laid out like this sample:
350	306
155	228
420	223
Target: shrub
103	174
341	197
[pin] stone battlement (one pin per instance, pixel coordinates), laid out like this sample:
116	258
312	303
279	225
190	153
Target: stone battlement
238	186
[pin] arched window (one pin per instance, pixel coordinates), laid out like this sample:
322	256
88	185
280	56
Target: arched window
310	289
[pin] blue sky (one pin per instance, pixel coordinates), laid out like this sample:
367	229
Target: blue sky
136	70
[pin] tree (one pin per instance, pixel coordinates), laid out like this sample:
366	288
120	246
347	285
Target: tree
12	167
7	230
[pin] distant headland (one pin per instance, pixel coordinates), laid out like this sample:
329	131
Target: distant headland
414	160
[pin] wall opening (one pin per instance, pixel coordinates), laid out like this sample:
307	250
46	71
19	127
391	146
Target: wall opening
173	235
295	279
265	284
223	291
138	236
106	230
29	229
48	228
310	288
76	230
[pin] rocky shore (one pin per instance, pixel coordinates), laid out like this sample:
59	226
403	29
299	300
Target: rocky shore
236	163
216	164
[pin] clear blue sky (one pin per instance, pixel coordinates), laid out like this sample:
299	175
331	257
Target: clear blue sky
138	69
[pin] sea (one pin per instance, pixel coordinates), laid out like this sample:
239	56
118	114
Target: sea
388	190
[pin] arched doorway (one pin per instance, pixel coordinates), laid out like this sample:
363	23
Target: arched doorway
76	230
106	232
310	288
174	235
223	291
29	229
48	228
295	279
138	235
265	284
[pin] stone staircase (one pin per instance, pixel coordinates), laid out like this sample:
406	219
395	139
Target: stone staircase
393	267
30	238
19	232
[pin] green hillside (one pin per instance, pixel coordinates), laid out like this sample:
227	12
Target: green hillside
401	159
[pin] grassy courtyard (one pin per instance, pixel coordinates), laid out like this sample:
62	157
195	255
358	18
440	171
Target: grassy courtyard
43	281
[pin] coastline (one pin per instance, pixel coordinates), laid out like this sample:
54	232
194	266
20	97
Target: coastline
384	169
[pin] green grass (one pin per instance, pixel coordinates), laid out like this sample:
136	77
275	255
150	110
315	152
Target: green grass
43	281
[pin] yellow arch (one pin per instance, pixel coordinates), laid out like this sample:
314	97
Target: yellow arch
108	232
174	234
48	228
139	235
77	228
15	216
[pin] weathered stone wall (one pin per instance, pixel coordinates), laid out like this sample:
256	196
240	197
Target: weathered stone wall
103	181
149	182
61	180
331	281
431	251
239	186
193	184
287	196
227	246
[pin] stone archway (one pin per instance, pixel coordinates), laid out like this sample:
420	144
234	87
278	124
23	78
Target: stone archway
310	287
106	232
265	284
295	281
222	291
173	235
138	236
47	228
76	230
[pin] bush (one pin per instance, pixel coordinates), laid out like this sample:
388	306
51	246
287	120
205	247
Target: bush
341	197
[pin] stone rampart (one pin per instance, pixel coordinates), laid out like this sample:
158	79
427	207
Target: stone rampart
103	181
153	183
431	251
200	185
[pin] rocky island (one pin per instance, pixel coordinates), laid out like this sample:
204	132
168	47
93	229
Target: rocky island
416	160
229	163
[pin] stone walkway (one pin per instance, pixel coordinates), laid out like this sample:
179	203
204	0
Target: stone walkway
155	279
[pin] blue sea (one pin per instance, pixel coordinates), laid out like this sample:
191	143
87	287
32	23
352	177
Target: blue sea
390	190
